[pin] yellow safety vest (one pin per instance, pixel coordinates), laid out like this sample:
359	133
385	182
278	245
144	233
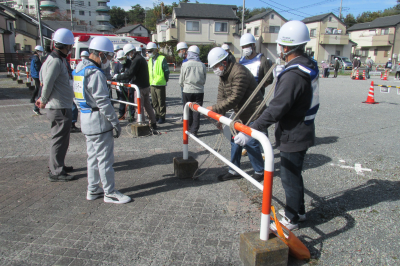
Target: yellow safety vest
156	74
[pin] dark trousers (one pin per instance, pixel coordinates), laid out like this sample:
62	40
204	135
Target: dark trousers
397	74
158	98
194	117
335	73
123	96
36	93
292	182
60	120
74	113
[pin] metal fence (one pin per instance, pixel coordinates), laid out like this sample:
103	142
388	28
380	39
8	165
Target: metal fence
13	58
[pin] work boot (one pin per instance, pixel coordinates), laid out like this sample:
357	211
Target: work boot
161	121
68	169
121	117
62	177
75	129
154	126
228	176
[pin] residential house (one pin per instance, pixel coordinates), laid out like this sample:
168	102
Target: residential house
26	31
265	27
201	24
7	39
379	39
133	30
328	37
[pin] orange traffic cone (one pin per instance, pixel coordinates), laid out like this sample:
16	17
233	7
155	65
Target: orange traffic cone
370	98
385	76
364	78
381	75
357	75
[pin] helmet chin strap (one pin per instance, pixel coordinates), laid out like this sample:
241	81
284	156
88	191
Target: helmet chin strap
284	55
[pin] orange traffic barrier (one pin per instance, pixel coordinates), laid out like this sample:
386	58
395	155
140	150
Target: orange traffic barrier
370	98
364	78
385	76
357	75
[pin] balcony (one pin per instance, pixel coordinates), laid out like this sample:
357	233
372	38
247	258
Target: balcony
103	27
269	37
335	39
103	18
383	40
48	4
102	8
171	34
103	1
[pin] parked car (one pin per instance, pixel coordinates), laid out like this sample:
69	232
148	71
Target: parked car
344	61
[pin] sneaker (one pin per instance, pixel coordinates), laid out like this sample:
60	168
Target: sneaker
32	101
302	217
68	169
75	129
154	126
288	224
228	176
62	177
92	195
244	152
161	121
37	112
258	177
116	197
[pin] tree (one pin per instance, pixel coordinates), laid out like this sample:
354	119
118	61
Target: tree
246	13
350	20
117	17
136	15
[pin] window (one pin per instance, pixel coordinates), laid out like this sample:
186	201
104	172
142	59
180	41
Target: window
221	27
26	6
385	31
272	16
90	13
330	19
68	11
256	31
32	7
73	12
313	32
138	34
10	26
358	52
192	26
375	52
90	22
364	52
248	30
274	29
81	13
17	46
88	3
337	52
385	53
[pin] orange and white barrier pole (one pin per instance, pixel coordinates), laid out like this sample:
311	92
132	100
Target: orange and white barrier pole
13	70
172	64
138	101
8	69
19	76
268	163
28	80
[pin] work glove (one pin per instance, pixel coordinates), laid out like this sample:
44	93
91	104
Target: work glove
117	130
242	139
115	77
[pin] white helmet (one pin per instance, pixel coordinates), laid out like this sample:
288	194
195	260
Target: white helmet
225	47
139	49
194	49
216	55
293	33
151	45
116	47
181	45
120	54
246	39
39	48
128	48
102	44
84	53
63	36
336	58
390	59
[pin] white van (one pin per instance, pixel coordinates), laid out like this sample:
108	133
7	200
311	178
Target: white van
82	44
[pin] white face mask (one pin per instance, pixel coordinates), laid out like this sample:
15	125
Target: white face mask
278	49
150	55
122	61
218	71
247	51
105	65
40	53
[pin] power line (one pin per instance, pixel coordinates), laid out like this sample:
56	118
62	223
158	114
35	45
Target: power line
281	9
289	7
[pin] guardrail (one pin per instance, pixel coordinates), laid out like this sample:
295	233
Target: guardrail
138	99
268	163
172	64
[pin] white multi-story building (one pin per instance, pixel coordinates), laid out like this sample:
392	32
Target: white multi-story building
92	13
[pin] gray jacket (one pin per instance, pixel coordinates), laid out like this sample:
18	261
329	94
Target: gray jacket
57	92
97	95
193	77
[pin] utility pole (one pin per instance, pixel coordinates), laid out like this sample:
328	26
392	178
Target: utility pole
340	10
125	21
162	13
40	22
70	6
243	9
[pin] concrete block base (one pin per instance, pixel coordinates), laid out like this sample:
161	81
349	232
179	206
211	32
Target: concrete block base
20	81
9	76
14	78
139	130
28	84
185	168
255	252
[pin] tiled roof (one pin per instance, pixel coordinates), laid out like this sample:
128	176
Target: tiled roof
188	10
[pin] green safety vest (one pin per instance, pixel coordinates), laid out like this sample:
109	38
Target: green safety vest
156	74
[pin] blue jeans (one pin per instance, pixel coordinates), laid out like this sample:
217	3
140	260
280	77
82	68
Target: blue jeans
254	152
292	182
74	113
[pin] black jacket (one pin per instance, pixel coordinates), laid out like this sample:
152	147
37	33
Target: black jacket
293	95
138	72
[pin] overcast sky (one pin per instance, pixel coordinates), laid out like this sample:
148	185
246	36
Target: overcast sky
300	11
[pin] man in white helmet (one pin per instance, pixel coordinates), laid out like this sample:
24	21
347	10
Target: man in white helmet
57	97
158	78
355	67
228	50
336	66
99	121
292	110
36	65
182	50
84	55
236	84
257	63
